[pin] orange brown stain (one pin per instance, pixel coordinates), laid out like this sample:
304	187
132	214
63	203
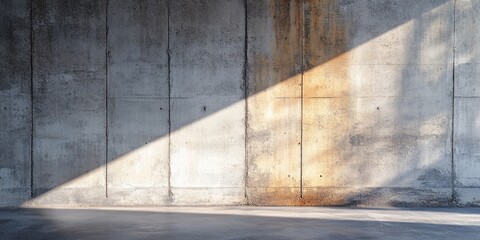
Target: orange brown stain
326	104
274	109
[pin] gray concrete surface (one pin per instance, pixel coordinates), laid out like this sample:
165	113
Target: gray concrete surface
15	102
240	223
207	108
467	108
232	102
138	106
69	101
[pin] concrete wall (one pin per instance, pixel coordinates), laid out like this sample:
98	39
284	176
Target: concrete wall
138	105
15	102
466	102
69	101
228	102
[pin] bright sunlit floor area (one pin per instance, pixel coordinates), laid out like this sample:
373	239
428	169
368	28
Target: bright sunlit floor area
240	223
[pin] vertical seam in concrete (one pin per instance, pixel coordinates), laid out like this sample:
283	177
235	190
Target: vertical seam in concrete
453	197
169	103
106	98
31	99
301	99
245	92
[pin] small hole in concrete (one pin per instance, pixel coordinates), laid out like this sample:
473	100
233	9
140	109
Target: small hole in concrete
204	108
378	108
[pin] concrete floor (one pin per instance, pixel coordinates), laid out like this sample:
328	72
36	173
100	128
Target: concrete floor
240	223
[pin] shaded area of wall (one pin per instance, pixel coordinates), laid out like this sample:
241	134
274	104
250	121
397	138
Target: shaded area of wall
15	102
293	102
69	101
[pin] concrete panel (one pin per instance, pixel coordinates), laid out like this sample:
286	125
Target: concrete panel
207	107
467	93
326	102
377	103
467	145
467	51
387	26
15	102
274	101
69	102
138	103
467	197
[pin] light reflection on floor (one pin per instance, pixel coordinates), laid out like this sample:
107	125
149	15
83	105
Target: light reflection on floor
240	223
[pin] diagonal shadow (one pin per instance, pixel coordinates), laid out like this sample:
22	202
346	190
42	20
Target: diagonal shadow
178	74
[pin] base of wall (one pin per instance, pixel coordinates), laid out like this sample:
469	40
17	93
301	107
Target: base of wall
331	196
14	196
361	197
206	196
468	197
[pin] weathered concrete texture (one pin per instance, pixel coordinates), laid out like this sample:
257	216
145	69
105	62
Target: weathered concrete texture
467	107
377	102
69	101
275	30
466	157
326	102
467	51
15	105
207	109
138	102
467	136
311	102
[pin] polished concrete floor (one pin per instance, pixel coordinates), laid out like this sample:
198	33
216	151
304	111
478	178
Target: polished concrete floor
240	223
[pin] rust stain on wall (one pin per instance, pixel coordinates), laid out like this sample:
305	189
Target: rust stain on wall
274	103
326	103
311	33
